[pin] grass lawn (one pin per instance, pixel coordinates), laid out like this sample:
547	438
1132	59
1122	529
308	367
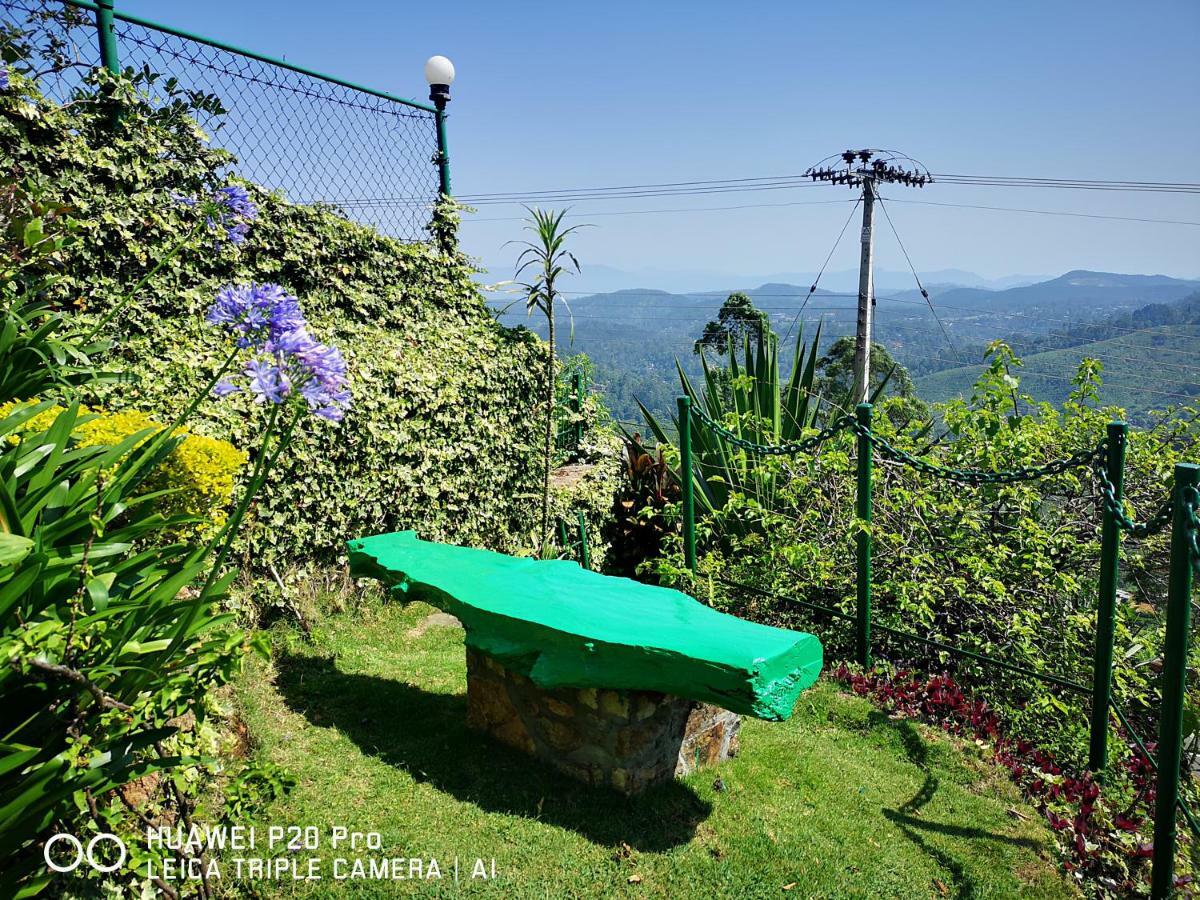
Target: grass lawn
840	801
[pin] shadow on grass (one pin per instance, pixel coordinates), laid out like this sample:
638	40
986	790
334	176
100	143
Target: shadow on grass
906	818
426	734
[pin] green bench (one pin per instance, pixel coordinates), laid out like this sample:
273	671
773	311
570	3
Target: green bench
595	673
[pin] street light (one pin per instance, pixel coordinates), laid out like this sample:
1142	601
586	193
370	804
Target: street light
439	72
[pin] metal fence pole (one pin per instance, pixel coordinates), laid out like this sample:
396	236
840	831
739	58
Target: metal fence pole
585	555
1174	683
107	35
685	481
577	408
443	153
864	509
1106	602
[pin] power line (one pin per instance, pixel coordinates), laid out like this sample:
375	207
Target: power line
817	280
796	179
1052	212
917	278
685	209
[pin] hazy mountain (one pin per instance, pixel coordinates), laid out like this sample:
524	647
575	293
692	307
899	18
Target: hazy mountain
602	279
634	335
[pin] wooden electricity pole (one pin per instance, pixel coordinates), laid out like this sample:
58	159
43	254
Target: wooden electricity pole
868	169
866	298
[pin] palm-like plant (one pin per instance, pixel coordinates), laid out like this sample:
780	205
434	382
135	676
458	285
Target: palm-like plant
751	400
541	263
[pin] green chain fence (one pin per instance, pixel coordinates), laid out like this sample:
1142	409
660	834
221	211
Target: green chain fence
376	158
1180	512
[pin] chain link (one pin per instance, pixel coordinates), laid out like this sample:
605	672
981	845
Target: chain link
1096	457
317	141
1191	499
1153	525
977	476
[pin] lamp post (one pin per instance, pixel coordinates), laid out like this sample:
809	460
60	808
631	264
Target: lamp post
439	72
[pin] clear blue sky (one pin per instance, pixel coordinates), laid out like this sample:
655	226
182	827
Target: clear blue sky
566	95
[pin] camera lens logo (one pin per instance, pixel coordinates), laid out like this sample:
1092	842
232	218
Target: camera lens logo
76	854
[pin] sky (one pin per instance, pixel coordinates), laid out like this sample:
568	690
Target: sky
574	95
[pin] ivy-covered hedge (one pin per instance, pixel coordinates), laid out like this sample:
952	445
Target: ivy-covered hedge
441	437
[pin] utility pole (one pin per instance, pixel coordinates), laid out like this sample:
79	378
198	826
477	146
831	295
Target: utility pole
866	299
865	169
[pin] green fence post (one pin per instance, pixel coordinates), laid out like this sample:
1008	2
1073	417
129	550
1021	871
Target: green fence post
107	35
1174	682
443	154
864	509
685	481
577	408
585	555
1106	603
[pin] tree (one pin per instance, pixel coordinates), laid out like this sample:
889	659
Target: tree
546	258
835	379
737	319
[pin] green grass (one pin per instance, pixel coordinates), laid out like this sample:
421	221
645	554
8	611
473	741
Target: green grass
840	801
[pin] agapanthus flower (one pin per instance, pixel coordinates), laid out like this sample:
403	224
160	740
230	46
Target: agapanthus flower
255	313
229	208
290	362
236	212
268	382
4	80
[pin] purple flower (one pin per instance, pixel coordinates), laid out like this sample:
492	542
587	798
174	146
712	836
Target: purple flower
267	381
255	314
230	208
265	318
317	369
4	80
225	387
237	202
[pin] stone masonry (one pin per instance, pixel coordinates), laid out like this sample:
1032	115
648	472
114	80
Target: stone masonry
625	740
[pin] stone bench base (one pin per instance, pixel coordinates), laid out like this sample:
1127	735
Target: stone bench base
626	740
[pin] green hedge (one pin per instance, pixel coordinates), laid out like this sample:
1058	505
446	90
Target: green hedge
441	438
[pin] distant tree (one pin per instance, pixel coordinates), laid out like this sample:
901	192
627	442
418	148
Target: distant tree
737	320
835	379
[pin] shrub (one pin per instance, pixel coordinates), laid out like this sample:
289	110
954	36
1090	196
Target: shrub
199	471
108	663
1008	570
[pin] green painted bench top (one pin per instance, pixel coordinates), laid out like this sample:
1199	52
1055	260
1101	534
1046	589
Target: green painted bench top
564	626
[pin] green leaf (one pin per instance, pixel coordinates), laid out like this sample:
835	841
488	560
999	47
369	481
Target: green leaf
98	589
13	548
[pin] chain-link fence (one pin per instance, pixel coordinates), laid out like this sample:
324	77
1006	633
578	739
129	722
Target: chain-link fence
317	139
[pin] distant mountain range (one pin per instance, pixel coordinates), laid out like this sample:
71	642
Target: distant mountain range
601	279
634	335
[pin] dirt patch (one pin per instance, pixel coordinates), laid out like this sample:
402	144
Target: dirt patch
570	476
434	620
